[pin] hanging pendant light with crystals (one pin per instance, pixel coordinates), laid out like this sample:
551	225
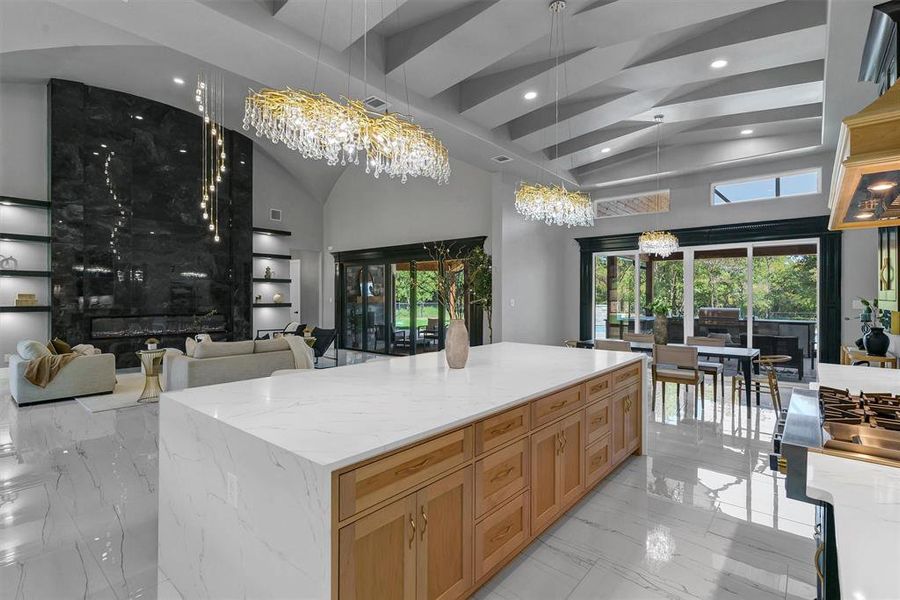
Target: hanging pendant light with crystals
551	203
210	98
345	131
659	243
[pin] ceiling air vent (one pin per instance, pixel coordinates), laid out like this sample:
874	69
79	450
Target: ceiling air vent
376	104
501	159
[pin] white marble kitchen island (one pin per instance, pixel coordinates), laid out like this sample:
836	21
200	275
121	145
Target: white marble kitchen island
246	468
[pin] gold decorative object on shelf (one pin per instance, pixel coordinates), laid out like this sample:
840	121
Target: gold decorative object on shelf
345	131
553	203
26	299
210	98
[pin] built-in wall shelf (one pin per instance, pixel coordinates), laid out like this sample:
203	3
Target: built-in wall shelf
12	309
21	273
21	237
270	280
275	256
265	231
11	201
272	305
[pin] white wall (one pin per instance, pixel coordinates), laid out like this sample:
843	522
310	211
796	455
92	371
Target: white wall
364	212
859	277
23	174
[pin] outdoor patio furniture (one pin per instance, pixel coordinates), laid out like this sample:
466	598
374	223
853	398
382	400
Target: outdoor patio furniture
719	320
714	368
638	337
678	365
766	381
781	345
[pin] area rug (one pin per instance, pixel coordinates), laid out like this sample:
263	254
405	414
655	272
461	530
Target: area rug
128	389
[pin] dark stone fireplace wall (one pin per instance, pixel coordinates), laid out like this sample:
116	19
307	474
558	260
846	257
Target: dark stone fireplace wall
149	267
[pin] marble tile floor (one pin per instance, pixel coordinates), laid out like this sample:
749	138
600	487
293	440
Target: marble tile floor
700	516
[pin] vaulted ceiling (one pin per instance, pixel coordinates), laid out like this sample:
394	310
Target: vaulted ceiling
465	68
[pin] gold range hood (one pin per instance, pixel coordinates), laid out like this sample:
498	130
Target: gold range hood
865	187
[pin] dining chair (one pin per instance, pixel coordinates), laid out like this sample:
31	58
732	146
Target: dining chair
678	365
766	381
714	368
613	345
638	337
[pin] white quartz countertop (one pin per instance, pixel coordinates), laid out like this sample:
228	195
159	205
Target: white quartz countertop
335	417
858	378
866	501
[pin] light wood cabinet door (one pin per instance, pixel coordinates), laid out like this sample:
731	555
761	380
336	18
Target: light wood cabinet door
571	457
597	420
618	443
377	554
633	420
445	559
500	534
500	476
596	461
545	504
497	430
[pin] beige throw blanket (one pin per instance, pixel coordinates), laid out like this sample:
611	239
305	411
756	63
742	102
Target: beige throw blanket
303	355
41	371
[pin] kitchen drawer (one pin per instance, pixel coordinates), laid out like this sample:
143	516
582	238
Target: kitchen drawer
597	461
500	534
627	376
548	409
500	476
499	429
597	420
369	484
599	387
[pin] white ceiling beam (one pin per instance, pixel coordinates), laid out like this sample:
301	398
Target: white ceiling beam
345	20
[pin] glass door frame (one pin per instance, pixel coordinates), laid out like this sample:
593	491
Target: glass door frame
688	258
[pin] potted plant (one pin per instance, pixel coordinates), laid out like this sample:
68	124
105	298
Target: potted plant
660	307
481	284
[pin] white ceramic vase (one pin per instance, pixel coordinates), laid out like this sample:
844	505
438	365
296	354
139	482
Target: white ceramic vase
278	298
456	344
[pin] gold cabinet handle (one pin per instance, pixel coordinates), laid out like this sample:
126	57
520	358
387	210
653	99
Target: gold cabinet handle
424	523
564	442
558	442
502	474
818	556
412	523
413	468
782	465
558	405
498	430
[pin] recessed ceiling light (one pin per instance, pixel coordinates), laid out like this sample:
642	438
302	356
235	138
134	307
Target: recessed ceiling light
881	186
139	117
530	95
242	162
96	154
103	145
182	150
178	80
746	131
719	63
868	214
605	150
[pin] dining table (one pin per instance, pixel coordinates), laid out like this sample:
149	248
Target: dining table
744	356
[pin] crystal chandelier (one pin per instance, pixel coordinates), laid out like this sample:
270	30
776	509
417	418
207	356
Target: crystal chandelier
209	95
554	204
345	131
659	243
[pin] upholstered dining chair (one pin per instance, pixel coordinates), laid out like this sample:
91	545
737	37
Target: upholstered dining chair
638	337
766	381
714	368
678	365
613	345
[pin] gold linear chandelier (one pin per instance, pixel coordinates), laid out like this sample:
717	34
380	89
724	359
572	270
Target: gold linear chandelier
551	203
210	98
345	131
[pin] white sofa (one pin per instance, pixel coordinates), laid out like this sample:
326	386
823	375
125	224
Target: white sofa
223	362
84	376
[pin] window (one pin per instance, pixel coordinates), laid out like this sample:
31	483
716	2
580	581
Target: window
766	188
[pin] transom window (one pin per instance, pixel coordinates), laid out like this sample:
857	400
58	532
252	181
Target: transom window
796	183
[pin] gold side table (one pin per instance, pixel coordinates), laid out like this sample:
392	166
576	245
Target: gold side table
151	360
850	355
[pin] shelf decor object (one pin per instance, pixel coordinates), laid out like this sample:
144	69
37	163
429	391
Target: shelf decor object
209	95
345	130
552	203
658	243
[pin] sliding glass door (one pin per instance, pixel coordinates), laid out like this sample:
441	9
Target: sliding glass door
760	295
